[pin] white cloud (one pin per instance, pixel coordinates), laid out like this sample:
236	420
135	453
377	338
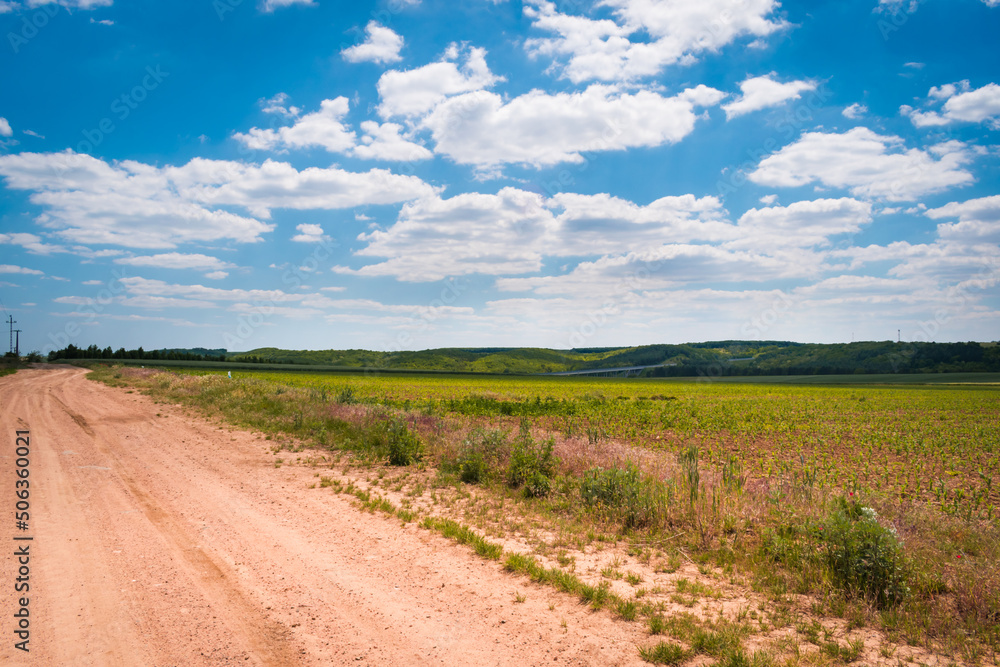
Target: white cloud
540	129
385	142
601	224
678	31
416	91
279	105
855	111
177	260
978	221
762	92
271	5
512	231
216	275
310	234
908	6
324	128
31	243
382	45
103	22
7	6
468	233
71	4
661	267
803	224
10	268
132	204
867	164
961	105
5	129
260	188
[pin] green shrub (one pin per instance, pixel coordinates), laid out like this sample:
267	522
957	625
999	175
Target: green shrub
402	445
864	558
532	464
623	491
481	455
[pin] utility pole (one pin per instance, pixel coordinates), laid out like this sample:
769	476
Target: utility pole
17	342
11	321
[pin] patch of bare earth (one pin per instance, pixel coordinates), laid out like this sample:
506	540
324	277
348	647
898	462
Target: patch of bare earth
163	539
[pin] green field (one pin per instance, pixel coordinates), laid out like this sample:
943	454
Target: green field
936	443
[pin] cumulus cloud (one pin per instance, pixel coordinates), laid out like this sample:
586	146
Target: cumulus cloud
177	260
279	105
132	204
381	45
31	243
416	91
855	111
540	128
385	141
761	92
324	128
661	267
678	32
960	104
803	224
978	220
309	233
867	164
11	268
511	232
5	129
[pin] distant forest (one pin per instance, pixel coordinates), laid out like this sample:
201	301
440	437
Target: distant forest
94	352
712	359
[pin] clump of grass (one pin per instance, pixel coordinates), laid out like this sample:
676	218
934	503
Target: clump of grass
627	610
388	440
663	653
622	493
464	535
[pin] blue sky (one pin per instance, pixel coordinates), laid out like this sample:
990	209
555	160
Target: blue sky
415	174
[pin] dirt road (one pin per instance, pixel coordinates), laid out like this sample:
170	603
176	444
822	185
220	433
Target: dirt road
163	539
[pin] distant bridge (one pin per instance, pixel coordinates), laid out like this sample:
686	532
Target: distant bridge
623	372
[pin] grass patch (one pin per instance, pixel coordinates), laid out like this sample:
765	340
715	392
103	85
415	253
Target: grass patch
464	535
663	653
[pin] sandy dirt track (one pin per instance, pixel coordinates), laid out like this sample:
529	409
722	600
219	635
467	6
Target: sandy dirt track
164	539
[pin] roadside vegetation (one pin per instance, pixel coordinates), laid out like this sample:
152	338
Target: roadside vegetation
749	525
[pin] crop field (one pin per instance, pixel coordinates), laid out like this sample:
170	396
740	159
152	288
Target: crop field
938	444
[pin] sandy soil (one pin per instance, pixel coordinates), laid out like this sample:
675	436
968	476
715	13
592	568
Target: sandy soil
163	539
